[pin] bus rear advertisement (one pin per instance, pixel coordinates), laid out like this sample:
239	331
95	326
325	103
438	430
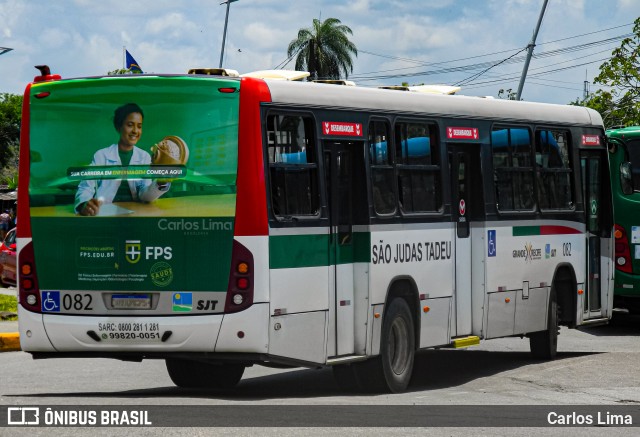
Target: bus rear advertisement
218	222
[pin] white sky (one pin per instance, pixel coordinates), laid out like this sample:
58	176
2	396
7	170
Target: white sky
395	38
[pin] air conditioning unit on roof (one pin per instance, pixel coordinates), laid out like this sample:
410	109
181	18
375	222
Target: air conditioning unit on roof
215	72
278	74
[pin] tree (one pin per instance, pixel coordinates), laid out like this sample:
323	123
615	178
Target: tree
324	50
10	117
507	94
121	71
621	105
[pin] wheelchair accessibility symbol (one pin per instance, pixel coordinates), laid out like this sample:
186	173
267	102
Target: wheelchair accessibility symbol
50	301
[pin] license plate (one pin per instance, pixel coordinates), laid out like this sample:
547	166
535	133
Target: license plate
131	301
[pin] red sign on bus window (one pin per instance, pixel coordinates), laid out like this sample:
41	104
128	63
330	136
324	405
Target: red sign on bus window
342	129
591	140
462	133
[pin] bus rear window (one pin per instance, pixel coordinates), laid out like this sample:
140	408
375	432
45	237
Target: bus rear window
633	150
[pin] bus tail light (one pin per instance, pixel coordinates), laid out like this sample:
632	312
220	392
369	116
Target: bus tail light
29	294
240	289
623	253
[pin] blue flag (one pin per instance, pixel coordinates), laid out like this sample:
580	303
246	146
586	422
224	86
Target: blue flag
132	64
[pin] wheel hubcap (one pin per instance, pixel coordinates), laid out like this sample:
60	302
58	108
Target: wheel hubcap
398	347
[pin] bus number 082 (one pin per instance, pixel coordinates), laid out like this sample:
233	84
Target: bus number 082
566	249
77	302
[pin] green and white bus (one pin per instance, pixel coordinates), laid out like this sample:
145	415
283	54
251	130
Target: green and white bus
624	159
293	223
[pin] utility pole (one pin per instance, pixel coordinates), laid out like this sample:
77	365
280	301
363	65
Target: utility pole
224	34
585	91
530	47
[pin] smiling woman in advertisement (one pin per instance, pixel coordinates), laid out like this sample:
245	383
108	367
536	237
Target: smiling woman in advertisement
91	194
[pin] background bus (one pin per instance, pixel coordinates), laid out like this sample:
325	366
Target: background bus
624	158
308	225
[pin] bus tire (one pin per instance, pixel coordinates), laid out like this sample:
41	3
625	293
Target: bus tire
544	344
391	370
196	374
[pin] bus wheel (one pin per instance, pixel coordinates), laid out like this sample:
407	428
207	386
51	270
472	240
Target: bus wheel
544	344
391	371
196	374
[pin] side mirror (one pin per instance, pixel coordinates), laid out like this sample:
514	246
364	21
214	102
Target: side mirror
626	177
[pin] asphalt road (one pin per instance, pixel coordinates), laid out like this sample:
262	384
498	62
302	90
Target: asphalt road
595	367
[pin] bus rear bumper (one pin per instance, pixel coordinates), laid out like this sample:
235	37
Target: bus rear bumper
244	332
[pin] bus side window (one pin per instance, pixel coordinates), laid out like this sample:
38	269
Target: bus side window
293	170
513	169
418	167
382	171
553	169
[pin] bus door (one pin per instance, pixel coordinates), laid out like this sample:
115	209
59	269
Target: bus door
466	207
597	211
344	170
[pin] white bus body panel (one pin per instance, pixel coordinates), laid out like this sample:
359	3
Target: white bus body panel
299	336
252	322
300	289
344	298
479	288
33	336
189	334
434	323
519	276
431	259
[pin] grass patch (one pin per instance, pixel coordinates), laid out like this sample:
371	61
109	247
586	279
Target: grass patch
8	303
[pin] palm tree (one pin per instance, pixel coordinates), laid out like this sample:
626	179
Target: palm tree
324	50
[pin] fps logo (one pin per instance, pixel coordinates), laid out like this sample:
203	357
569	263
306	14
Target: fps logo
134	251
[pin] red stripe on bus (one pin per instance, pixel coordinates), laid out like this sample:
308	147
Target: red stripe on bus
251	194
24	230
558	230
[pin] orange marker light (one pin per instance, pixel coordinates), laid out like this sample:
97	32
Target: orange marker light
426	309
243	268
580	292
376	315
507	300
26	269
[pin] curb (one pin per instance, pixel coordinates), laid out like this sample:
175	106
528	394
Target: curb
9	341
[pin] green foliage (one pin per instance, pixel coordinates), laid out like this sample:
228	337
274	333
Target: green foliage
8	303
620	106
10	117
324	50
508	94
121	71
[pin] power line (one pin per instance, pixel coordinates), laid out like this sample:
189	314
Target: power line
425	64
475	76
512	59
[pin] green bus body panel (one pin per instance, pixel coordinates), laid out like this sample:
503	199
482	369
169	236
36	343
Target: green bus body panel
70	254
181	241
297	251
626	209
